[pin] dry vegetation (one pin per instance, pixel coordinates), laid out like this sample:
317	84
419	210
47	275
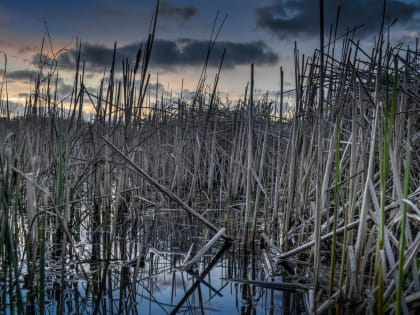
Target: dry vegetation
100	198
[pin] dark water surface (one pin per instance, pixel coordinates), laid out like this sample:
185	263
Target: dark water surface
156	285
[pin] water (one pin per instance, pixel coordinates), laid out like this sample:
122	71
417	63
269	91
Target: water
158	286
143	274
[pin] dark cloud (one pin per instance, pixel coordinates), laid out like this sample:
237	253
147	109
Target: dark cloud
22	75
29	76
179	12
193	52
169	54
288	18
97	57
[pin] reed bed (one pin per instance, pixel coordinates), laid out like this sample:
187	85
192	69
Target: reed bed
97	202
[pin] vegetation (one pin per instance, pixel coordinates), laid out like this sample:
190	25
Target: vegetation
100	200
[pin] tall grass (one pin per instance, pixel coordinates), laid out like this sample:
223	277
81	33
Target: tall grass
99	202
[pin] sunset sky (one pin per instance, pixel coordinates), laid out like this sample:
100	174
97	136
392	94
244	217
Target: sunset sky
262	32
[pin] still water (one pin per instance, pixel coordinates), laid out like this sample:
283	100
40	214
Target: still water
156	285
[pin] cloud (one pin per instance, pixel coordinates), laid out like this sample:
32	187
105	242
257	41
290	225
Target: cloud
167	9
185	52
97	57
169	55
30	75
159	87
287	19
22	75
63	88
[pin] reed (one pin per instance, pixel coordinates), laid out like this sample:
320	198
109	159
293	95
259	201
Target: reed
403	240
95	214
336	207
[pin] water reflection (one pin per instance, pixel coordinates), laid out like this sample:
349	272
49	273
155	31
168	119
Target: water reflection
154	275
159	287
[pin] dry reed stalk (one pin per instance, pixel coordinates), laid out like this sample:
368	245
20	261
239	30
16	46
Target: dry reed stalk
238	168
320	166
248	205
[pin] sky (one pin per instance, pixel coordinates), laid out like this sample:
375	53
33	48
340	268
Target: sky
261	32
